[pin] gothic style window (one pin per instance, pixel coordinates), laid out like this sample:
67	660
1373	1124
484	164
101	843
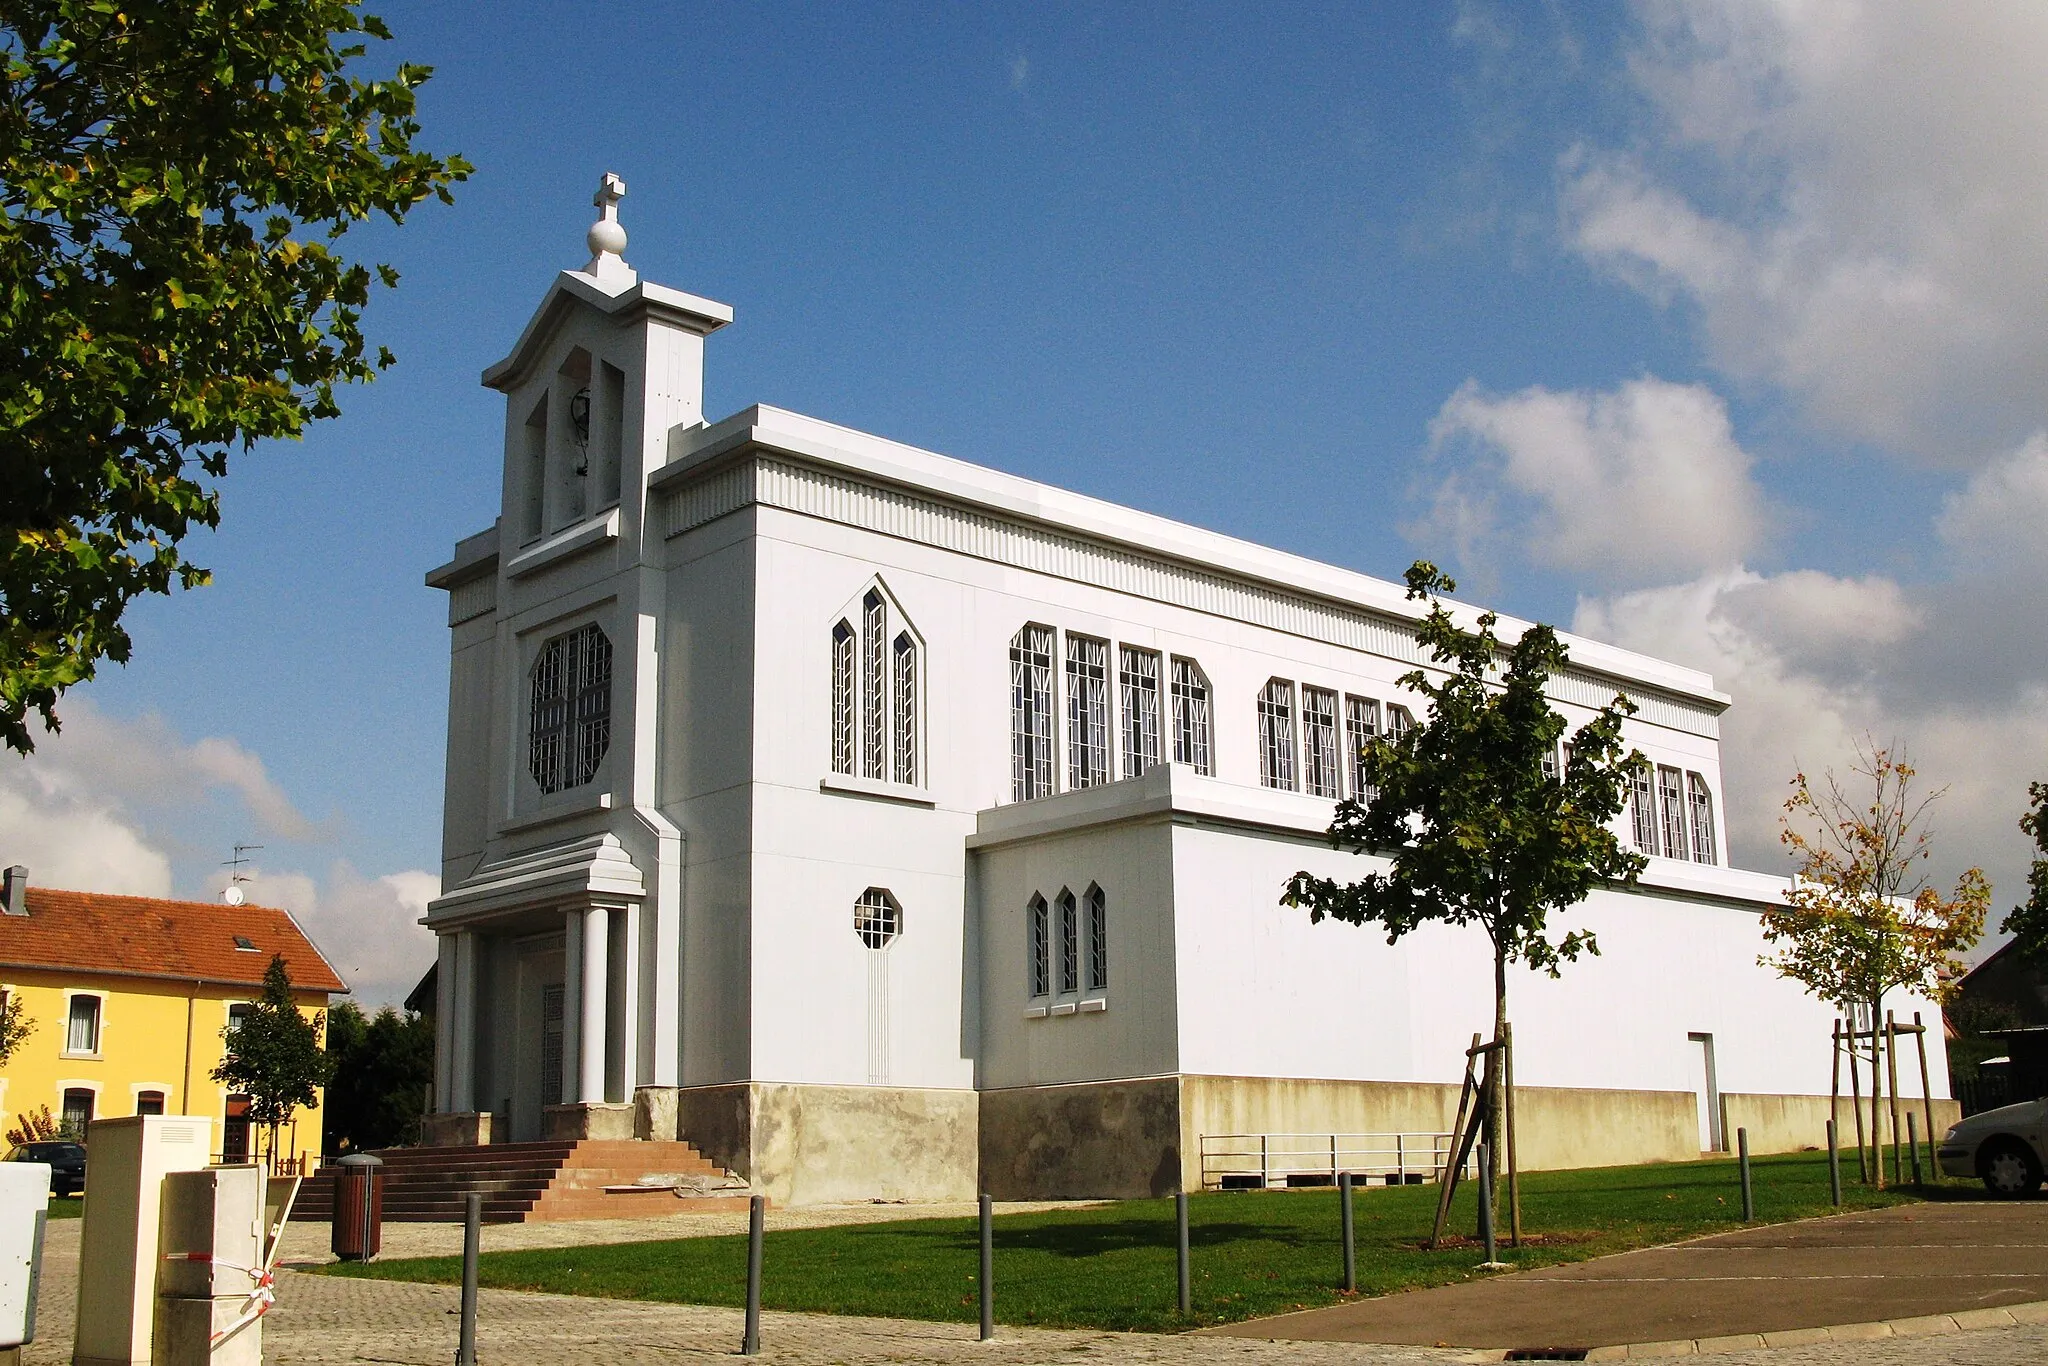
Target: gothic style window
874	689
1098	940
877	919
843	725
1039	948
569	720
1319	742
1031	713
1190	716
1361	725
1138	681
905	653
1276	734
1399	720
1642	810
1087	712
1702	799
1070	943
1671	805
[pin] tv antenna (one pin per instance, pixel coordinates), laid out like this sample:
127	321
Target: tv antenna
236	877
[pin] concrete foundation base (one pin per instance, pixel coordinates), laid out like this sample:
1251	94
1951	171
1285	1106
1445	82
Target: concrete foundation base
590	1119
466	1129
654	1112
807	1145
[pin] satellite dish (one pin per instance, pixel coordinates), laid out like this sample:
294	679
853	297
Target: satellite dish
233	895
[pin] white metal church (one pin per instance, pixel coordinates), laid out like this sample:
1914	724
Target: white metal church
888	826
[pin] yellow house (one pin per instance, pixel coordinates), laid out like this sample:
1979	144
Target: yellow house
131	998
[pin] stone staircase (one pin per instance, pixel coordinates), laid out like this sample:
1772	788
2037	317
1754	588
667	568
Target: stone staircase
530	1182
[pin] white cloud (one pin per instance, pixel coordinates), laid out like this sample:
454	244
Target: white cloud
1640	482
1020	71
1849	193
1999	519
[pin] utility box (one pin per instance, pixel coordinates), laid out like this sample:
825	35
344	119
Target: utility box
117	1254
24	1210
212	1288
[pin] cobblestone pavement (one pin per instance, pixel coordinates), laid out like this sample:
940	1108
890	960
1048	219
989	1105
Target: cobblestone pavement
333	1321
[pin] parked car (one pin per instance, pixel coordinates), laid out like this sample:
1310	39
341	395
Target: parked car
67	1164
2006	1148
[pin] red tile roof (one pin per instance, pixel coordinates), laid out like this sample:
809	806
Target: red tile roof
141	936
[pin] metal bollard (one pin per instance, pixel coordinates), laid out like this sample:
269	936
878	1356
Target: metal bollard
472	1238
1742	1161
1180	1230
1486	1209
1834	1167
750	1344
988	1268
1350	1240
1913	1143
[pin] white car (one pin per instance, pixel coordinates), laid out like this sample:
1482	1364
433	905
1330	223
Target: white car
2006	1148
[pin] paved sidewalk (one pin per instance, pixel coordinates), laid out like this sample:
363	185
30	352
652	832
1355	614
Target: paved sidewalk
1905	1262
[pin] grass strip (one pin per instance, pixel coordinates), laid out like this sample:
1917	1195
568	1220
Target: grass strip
1112	1266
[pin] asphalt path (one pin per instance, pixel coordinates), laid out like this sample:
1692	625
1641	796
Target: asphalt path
1897	1263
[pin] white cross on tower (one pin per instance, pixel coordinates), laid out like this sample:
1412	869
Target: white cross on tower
607	236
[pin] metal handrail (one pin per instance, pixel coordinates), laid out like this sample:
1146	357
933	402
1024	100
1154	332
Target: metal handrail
1270	1159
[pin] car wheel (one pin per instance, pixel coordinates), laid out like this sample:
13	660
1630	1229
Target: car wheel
2010	1171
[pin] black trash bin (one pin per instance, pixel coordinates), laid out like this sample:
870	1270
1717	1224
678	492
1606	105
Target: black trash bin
358	1207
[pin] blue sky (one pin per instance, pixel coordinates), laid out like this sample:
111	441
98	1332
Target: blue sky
1703	329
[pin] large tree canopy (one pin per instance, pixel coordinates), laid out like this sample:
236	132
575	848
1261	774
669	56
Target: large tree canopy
2028	922
175	176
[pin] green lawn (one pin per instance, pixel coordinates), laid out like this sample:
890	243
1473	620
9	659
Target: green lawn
66	1206
1112	1266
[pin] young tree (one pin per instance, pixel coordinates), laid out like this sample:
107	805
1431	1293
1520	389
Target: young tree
1861	918
383	1064
174	179
15	1026
274	1056
2028	923
1478	821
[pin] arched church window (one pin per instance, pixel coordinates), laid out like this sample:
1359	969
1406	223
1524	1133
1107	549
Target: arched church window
569	719
842	697
1138	682
1190	715
1702	798
1031	713
904	657
1098	939
1038	946
1276	734
1087	712
1070	943
877	919
874	691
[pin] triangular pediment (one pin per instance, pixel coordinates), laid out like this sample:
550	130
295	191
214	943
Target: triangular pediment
619	301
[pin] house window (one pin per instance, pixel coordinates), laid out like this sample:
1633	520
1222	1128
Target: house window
1702	799
569	724
1671	805
1642	810
149	1102
874	690
877	919
1039	948
78	1108
906	708
1138	681
1098	940
82	1028
1319	742
842	697
1087	712
1276	734
238	1014
1190	716
1070	943
1361	726
1031	713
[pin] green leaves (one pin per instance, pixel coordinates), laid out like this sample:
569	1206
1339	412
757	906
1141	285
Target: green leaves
1474	828
2028	923
274	1055
147	329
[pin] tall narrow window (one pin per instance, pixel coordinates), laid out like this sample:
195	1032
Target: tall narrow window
1550	769
843	726
1070	943
1642	810
82	1029
1276	734
1671	805
1399	721
906	708
1138	682
1031	713
1098	940
1190	716
874	706
1319	772
569	718
1361	727
1702	802
1038	947
1087	712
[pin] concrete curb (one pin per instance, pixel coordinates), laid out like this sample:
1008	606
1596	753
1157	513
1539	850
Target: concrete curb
1930	1325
